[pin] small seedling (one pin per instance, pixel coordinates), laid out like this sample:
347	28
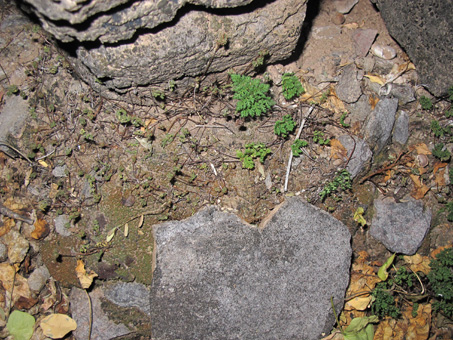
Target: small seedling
441	279
12	89
251	152
283	127
426	103
297	146
342	118
291	86
318	138
341	181
441	153
251	95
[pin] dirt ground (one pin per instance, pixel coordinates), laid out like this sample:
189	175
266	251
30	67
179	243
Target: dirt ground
104	171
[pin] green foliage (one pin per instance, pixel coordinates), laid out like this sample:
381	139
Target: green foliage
283	127
318	137
251	96
450	93
20	325
441	279
341	181
441	153
426	103
12	89
297	146
384	302
361	328
291	86
438	130
342	118
251	152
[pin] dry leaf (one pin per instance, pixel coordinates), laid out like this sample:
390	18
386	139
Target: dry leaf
418	263
351	26
420	188
438	166
388	176
376	79
21	288
57	326
126	229
373	100
438	250
140	222
8	224
41	229
86	279
43	163
439	178
422	149
358	303
337	150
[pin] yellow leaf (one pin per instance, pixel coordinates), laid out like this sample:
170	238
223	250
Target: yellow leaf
140	222
126	229
111	234
376	79
358	303
42	163
57	326
358	216
420	188
422	149
86	279
418	263
41	229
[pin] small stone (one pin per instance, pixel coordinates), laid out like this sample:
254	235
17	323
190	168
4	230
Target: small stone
61	225
404	93
38	278
338	18
345	6
362	153
401	227
348	87
401	129
59	171
363	39
17	246
383	52
129	294
3	252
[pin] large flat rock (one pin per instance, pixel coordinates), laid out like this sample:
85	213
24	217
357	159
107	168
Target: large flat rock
216	277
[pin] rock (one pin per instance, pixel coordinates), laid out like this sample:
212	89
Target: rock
348	87
61	225
12	121
362	153
359	110
129	294
149	43
345	6
404	93
383	52
401	227
338	19
38	278
216	277
103	327
3	252
363	39
17	246
59	171
379	124
401	129
425	31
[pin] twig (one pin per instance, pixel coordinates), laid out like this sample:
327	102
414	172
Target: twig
288	169
91	315
18	151
11	214
380	171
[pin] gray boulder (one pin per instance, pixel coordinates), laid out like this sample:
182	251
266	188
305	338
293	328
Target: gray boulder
360	151
216	277
425	30
119	46
400	226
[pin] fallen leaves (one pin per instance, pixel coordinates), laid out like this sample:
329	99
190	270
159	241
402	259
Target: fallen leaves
85	278
41	229
57	326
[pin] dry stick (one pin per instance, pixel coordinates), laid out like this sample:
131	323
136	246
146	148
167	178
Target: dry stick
288	169
11	214
17	150
91	315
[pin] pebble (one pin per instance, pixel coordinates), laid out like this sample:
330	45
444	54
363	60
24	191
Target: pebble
348	87
3	252
363	39
59	171
338	18
345	6
61	225
38	278
17	246
383	52
401	130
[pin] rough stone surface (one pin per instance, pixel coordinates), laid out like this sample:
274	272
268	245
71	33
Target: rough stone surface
150	43
17	246
38	278
401	129
362	153
401	227
345	6
103	328
379	124
404	93
60	171
425	30
61	222
363	39
217	278
129	294
3	252
12	117
348	87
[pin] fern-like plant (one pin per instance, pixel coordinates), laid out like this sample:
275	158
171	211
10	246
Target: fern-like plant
252	151
284	127
291	86
251	95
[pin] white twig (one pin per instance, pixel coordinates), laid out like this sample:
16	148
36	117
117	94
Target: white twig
288	169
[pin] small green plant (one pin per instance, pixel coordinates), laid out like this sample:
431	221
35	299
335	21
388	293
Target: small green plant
167	140
318	138
123	117
291	86
384	302
426	103
259	61
342	118
251	95
341	181
438	130
441	153
12	89
297	146
284	127
251	152
441	279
